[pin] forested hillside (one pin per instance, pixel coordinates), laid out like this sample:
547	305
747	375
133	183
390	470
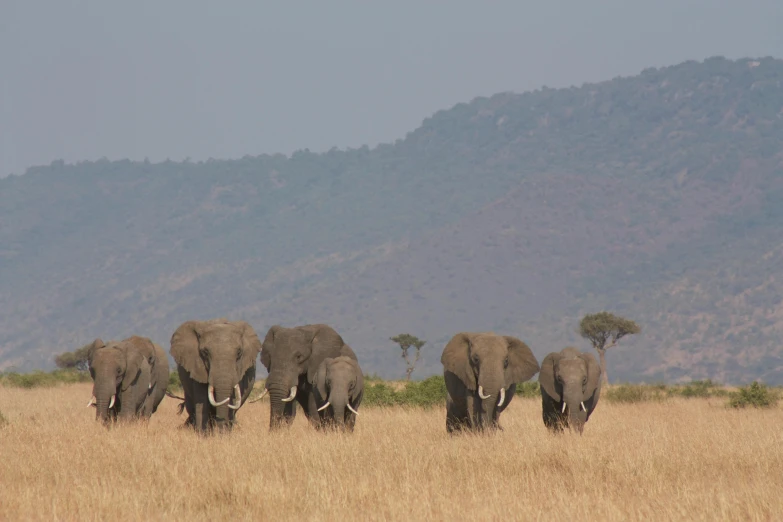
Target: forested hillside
659	197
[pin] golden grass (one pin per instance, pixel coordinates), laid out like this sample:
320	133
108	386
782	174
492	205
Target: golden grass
680	460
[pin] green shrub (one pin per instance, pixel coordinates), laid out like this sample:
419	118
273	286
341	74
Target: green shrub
379	394
3	420
427	393
699	389
756	395
529	390
632	393
174	382
40	378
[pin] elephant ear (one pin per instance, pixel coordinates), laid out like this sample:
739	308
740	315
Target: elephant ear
135	357
358	390
522	364
251	345
268	346
184	350
547	376
455	359
92	348
593	374
324	342
319	381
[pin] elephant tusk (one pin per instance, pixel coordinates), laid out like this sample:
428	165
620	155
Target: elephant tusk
211	394
260	396
92	401
481	393
237	398
502	397
322	408
351	408
292	395
583	406
564	407
111	402
150	386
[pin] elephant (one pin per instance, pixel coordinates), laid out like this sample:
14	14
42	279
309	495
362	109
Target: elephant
292	357
481	370
130	378
216	363
570	383
338	385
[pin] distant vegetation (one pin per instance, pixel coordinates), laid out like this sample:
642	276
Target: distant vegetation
431	392
656	195
604	330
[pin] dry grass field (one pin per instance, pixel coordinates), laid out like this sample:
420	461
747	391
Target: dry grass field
680	460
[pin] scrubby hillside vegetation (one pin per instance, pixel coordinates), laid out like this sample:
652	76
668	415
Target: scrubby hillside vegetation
656	196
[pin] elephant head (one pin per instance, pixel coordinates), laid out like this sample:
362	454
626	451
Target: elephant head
488	365
571	380
220	354
292	356
339	386
121	373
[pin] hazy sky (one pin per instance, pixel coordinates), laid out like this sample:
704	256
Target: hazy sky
85	79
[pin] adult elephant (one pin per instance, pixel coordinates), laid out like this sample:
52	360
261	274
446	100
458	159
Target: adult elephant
292	356
339	387
216	362
481	372
129	377
570	383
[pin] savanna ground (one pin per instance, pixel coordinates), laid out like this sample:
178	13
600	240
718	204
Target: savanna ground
677	459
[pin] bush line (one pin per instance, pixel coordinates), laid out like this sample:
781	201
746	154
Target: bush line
432	391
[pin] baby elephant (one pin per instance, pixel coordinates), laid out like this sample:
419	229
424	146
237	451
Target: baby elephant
570	383
338	384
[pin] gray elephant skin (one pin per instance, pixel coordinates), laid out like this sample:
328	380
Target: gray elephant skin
129	378
216	363
338	387
292	357
482	370
570	383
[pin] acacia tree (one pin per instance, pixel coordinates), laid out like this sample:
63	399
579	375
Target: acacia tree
406	341
604	330
76	359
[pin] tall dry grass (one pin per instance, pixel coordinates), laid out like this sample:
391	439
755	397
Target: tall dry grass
679	460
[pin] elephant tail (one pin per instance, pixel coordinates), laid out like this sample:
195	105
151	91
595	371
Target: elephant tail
180	406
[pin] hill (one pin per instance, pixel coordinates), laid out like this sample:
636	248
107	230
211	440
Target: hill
656	196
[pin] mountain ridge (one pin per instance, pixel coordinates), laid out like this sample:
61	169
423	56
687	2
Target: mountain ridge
517	212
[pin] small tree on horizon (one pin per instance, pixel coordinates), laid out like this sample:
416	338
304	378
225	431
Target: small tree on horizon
604	330
406	341
76	359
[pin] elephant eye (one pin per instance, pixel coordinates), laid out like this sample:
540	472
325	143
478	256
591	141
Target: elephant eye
239	353
351	385
119	370
584	380
505	363
475	359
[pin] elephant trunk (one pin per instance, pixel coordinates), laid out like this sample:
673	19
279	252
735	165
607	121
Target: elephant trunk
573	407
339	404
222	395
492	395
281	405
105	394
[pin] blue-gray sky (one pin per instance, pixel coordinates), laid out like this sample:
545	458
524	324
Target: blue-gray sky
80	80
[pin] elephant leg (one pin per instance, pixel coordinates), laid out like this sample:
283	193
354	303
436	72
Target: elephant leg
307	401
552	418
457	418
350	421
201	407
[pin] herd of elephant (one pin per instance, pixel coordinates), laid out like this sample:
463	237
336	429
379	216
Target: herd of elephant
312	366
